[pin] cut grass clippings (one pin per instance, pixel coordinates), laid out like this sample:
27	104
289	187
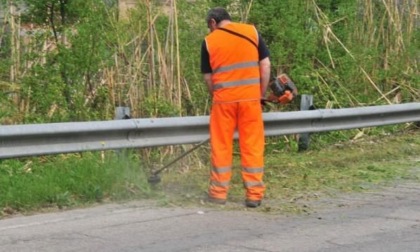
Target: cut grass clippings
293	178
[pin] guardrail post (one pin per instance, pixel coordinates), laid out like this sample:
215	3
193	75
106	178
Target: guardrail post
122	113
306	103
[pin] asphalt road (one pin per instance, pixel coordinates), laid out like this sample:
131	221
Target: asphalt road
388	220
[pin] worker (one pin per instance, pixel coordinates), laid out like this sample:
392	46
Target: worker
236	67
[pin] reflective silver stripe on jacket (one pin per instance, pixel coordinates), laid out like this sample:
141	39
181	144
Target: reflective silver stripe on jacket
220	170
253	170
236	66
253	184
236	83
219	184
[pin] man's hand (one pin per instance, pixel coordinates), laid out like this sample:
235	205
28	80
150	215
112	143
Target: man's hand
263	102
286	98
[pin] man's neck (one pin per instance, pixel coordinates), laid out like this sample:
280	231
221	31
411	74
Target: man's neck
223	23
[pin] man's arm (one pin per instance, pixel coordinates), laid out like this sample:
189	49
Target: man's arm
265	69
206	68
265	65
207	78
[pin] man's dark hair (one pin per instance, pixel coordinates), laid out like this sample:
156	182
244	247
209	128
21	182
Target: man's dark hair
218	14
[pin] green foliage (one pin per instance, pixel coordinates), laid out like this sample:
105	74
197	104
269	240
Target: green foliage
71	180
292	47
150	61
158	108
69	79
43	89
219	3
83	60
190	46
323	47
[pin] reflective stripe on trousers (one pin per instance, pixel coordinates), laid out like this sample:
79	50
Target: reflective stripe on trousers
247	118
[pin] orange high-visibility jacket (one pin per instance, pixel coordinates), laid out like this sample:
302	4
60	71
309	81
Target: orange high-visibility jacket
235	76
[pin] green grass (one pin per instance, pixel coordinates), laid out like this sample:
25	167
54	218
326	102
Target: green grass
292	178
73	180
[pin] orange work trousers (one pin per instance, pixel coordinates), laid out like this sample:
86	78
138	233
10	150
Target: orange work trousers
225	118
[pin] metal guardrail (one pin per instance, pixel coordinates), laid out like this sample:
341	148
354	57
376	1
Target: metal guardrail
54	138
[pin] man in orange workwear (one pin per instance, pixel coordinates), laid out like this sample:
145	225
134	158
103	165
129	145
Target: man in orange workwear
236	67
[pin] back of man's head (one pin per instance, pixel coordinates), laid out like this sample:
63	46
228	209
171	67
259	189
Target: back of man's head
218	14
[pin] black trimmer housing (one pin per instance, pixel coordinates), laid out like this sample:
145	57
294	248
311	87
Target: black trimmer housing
282	83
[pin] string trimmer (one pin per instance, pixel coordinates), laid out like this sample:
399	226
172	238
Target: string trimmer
155	178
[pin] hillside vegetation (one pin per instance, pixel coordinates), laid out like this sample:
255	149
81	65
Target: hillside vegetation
76	60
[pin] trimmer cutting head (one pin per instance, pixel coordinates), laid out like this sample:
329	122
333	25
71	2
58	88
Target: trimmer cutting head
154	179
